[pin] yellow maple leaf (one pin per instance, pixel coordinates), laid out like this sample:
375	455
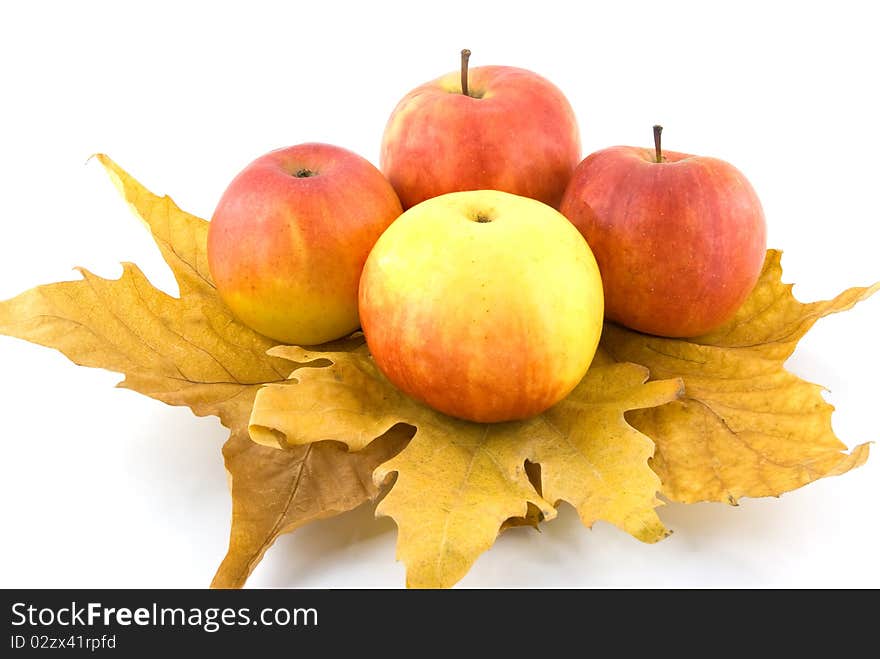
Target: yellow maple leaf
189	350
458	483
745	426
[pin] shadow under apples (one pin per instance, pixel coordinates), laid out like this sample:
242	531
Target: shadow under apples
319	546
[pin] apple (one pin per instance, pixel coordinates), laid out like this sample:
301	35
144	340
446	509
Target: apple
493	127
484	305
289	237
680	239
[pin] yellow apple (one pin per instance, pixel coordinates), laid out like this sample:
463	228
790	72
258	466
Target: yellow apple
484	305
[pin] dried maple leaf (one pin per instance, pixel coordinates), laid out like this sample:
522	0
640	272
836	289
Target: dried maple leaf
275	492
457	482
189	350
745	426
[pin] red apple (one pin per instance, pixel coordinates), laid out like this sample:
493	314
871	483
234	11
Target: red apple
680	239
290	236
484	305
509	130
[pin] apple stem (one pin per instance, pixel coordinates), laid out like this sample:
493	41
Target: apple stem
657	130
465	55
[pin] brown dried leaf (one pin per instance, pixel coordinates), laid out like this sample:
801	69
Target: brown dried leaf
275	492
458	483
745	426
190	350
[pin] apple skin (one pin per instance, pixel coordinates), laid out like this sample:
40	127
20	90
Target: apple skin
680	243
482	320
286	249
519	136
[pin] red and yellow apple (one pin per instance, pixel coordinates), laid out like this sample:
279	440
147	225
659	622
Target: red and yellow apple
484	305
288	240
510	130
680	239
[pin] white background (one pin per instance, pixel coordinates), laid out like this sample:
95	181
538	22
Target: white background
104	487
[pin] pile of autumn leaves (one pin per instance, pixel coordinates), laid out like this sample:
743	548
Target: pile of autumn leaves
316	432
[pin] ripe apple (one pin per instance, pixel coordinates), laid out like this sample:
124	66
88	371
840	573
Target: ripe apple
680	239
495	127
289	238
484	305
